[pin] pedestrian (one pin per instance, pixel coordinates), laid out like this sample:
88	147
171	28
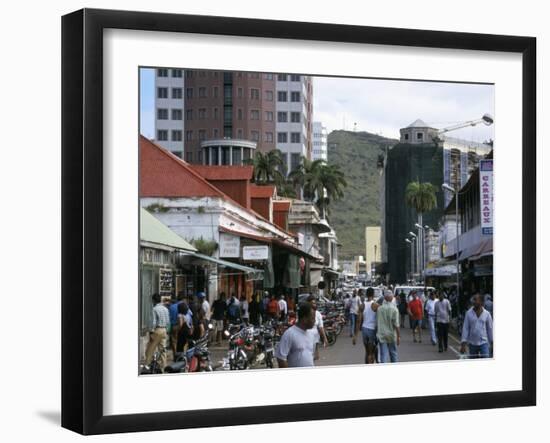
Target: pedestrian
283	308
254	310
218	315
291	304
477	331
318	330
245	315
415	311
174	325
367	322
355	302
273	308
199	325
488	303
387	329
296	349
347	303
157	332
185	326
233	310
402	308
442	317
204	305
430	313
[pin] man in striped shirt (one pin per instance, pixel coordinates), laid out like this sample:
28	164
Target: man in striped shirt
158	332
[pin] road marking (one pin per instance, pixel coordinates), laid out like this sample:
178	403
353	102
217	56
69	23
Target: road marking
455	351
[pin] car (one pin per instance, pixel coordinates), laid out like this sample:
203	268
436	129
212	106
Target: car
407	290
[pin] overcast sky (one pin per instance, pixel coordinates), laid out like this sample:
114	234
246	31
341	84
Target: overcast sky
378	106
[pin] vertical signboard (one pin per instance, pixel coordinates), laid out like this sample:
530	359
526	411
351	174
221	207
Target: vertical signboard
230	246
486	196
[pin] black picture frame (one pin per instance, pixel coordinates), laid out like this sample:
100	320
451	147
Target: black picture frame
82	216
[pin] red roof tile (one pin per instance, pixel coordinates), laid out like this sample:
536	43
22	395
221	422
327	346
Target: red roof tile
162	174
224	172
266	191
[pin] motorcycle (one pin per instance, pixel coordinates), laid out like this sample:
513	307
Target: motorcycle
195	359
248	346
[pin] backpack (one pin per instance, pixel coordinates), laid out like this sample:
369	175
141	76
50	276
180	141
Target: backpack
233	310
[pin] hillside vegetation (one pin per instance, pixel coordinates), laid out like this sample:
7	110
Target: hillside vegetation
357	153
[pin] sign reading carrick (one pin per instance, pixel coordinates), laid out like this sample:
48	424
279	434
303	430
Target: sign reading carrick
486	196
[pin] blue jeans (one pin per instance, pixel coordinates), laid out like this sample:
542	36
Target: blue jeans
352	318
478	351
388	352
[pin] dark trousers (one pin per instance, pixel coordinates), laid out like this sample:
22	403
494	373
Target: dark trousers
442	335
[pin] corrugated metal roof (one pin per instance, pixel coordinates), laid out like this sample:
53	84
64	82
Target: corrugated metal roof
154	231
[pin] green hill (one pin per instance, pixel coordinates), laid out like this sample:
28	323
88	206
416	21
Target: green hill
357	153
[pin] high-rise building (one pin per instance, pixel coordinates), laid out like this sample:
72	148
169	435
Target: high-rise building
372	248
320	151
294	118
169	124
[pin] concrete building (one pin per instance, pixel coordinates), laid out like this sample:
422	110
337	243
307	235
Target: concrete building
320	150
169	123
373	253
294	118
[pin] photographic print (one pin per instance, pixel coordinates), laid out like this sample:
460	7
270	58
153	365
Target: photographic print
292	220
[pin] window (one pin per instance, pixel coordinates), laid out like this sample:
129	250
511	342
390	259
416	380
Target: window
282	77
162	72
240	92
162	92
189	157
177	93
176	73
236	160
282	96
269	137
162	114
227	132
239	114
215	133
189	74
189	114
282	117
202	113
269	96
188	135
419	136
295	117
294	161
202	92
189	93
294	137
254	114
227	114
162	135
202	134
254	94
268	116
255	136
215	91
202	73
254	75
176	114
269	76
239	133
294	78
295	96
282	137
216	116
176	135
406	136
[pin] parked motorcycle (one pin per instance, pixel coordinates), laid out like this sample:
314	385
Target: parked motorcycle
195	359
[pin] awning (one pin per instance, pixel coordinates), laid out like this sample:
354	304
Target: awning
257	274
485	250
153	233
331	271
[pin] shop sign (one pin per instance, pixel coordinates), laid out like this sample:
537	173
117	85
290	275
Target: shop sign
255	252
230	246
486	196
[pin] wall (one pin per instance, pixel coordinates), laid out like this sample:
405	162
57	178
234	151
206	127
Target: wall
30	392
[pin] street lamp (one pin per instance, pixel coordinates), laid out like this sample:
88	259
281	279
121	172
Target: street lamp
421	246
411	242
416	237
446	187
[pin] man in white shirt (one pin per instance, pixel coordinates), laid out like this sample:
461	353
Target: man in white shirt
283	308
354	306
205	306
442	317
318	330
430	310
295	350
366	321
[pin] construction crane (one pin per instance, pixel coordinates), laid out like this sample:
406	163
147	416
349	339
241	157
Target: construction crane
487	120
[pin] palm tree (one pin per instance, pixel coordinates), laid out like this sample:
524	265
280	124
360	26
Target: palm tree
307	177
268	167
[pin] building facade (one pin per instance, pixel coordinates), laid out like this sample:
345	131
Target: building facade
373	253
169	123
320	150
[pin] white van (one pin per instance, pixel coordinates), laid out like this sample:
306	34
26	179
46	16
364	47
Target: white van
407	290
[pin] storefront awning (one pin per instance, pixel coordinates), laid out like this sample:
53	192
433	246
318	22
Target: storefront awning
153	233
480	249
257	274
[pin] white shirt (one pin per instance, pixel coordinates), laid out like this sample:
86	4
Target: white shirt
296	347
282	306
354	306
315	330
369	316
244	308
206	309
430	306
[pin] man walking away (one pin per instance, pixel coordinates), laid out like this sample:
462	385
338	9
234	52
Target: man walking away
205	306
283	308
430	312
402	308
219	308
273	308
415	311
295	350
318	330
477	331
157	332
353	312
442	310
174	326
245	315
388	335
233	310
366	321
